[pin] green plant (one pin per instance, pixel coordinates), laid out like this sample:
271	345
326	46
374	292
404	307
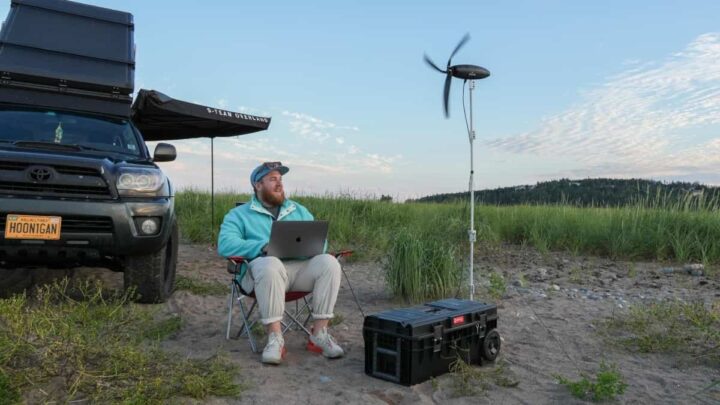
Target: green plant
337	319
257	329
468	380
434	383
522	280
607	384
8	393
200	287
164	328
497	287
102	346
577	274
421	268
672	326
632	270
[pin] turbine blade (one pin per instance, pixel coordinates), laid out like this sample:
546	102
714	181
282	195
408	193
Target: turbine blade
432	65
446	93
457	48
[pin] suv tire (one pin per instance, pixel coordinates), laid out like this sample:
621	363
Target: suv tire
14	281
153	275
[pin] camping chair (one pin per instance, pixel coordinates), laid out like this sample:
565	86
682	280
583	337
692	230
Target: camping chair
292	319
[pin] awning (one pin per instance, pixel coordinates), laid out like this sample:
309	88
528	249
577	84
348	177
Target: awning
162	118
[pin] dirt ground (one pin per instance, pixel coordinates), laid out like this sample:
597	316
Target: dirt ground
545	319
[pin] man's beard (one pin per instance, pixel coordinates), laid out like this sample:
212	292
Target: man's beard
273	198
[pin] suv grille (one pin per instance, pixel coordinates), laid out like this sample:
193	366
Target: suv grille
52	189
67	181
75	224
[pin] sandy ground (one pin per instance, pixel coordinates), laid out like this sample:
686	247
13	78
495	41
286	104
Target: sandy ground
545	318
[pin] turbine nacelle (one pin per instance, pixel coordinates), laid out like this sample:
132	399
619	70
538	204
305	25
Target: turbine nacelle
465	72
469	72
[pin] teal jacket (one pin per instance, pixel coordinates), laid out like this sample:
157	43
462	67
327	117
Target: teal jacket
246	228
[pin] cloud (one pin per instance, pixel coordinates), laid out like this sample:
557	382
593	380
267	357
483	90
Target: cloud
633	123
326	165
315	129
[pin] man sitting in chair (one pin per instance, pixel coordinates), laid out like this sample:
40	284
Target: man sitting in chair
245	232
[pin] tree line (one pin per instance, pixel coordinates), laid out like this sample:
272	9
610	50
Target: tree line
591	192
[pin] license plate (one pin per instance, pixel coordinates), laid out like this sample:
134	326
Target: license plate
32	227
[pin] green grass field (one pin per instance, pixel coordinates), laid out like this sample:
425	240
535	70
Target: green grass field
409	236
646	230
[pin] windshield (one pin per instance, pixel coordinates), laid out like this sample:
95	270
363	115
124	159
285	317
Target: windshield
57	128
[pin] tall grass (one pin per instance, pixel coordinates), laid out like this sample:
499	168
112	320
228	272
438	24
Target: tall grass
652	228
418	269
423	245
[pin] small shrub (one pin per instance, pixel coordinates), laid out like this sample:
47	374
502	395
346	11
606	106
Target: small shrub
258	330
8	393
337	319
468	380
632	270
578	275
163	328
671	326
200	287
606	385
497	287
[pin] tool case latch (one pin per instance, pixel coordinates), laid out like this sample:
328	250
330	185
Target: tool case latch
437	338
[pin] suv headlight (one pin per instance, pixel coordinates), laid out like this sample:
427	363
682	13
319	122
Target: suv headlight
138	180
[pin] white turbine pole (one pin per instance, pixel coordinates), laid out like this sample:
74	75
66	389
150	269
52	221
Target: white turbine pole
472	235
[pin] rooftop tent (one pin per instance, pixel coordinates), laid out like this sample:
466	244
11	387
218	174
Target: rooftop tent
162	118
67	55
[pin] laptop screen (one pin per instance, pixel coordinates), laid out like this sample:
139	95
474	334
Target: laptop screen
297	239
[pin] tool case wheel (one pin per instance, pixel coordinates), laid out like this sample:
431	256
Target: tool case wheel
491	345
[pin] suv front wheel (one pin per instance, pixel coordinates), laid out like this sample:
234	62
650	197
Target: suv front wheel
153	275
13	281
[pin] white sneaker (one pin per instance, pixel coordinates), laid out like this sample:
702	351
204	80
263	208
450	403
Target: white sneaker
274	349
325	344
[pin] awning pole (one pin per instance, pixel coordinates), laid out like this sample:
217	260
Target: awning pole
212	192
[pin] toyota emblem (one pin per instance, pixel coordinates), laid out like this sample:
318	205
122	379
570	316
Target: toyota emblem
40	173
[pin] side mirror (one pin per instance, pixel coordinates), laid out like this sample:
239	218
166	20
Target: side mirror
164	152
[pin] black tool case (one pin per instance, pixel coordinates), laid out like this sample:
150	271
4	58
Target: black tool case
410	345
62	54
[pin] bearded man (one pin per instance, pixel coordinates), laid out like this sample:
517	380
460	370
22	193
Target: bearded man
245	232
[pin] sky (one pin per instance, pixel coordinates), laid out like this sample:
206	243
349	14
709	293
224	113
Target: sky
578	89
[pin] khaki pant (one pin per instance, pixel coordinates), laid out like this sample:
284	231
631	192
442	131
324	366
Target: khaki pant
271	278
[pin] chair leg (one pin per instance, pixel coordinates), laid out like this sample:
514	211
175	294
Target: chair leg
231	301
309	315
247	325
249	312
294	321
357	302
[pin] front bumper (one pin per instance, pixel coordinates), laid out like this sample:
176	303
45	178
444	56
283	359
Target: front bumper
91	231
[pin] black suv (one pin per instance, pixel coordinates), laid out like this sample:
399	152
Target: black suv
78	185
83	190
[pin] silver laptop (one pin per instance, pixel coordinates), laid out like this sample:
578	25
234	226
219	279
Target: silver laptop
297	239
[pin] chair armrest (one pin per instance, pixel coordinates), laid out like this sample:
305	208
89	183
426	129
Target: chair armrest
342	253
235	263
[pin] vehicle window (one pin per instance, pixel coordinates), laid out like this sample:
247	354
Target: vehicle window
70	129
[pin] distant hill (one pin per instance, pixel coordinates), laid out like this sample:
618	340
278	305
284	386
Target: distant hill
588	192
